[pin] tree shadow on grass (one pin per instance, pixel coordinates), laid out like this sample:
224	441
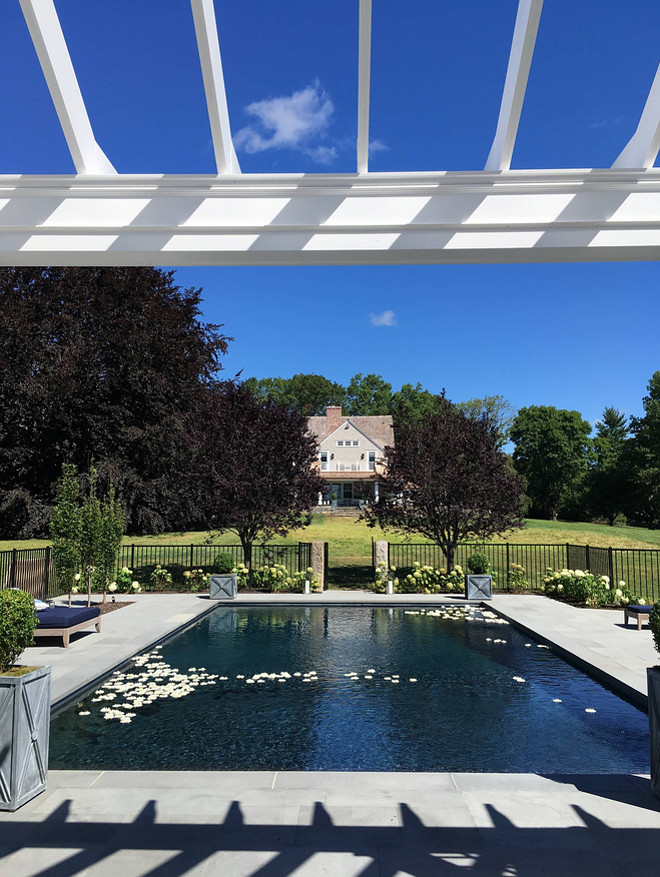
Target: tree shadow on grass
350	577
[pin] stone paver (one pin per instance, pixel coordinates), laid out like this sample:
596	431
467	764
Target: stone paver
205	823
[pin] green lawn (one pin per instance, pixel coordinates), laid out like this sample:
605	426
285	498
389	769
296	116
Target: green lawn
350	540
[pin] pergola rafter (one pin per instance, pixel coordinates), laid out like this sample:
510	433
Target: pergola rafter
53	54
515	85
496	215
214	86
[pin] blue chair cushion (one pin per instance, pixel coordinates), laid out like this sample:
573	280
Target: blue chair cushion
62	616
637	608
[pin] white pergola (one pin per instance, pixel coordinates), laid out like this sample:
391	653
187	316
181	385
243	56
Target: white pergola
101	217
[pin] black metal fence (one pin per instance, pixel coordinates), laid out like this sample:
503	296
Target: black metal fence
32	570
639	568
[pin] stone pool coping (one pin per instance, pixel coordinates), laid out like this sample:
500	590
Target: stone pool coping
202	824
596	640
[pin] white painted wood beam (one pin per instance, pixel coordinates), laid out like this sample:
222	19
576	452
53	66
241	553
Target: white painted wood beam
331	219
641	150
50	45
364	85
515	85
214	85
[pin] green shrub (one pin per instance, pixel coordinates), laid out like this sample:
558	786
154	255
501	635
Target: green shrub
517	578
278	578
160	579
223	563
421	580
578	586
654	624
196	579
478	564
18	621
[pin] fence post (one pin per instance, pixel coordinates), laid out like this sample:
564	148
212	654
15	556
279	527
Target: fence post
319	561
610	557
508	566
12	576
133	555
588	558
192	551
568	566
299	557
46	571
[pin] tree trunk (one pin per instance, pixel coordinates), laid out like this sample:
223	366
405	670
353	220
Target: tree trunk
450	551
89	587
247	553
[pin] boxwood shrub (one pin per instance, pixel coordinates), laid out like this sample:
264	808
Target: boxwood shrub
18	621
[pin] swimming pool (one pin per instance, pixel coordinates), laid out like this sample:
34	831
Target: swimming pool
352	688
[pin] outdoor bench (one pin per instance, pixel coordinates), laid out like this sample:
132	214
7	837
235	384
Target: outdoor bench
641	613
62	621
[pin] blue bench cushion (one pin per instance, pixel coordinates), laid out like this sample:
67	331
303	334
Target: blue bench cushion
637	608
62	616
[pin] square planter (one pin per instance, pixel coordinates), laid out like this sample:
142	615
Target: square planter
653	683
478	587
223	587
24	729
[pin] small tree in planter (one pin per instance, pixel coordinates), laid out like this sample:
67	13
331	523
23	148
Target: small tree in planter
25	696
65	529
653	681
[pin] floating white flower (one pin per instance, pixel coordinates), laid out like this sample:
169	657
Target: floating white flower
518	679
589	710
83	713
556	700
412	679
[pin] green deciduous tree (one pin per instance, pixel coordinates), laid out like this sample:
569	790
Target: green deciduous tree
498	410
551	450
448	480
368	395
307	394
65	527
413	403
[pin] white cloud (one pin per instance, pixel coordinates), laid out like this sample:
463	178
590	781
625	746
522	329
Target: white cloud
387	318
377	146
290	123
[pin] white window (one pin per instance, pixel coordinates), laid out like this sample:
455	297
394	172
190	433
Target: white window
356	444
324	460
340	444
372	460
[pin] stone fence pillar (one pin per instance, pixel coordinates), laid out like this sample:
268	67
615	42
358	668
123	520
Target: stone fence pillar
318	561
382	553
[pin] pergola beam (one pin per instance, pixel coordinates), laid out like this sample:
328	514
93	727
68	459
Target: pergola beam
515	85
331	219
50	45
641	150
364	85
214	85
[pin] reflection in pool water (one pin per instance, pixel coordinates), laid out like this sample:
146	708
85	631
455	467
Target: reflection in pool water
352	688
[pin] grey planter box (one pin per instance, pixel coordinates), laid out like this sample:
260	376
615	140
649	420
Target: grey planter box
653	682
223	587
24	729
478	587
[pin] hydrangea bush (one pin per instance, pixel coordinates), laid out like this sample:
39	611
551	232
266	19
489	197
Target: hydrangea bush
278	578
517	577
580	586
423	579
160	579
196	580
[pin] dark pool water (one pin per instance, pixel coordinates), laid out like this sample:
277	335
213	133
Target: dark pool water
465	712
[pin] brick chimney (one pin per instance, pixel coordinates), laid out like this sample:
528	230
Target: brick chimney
333	418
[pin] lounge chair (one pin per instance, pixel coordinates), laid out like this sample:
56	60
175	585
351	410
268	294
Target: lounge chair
62	621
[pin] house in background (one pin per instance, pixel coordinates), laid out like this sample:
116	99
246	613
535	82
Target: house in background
351	454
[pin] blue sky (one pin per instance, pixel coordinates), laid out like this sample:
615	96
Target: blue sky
575	336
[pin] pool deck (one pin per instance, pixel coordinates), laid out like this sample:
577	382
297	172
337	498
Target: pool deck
273	824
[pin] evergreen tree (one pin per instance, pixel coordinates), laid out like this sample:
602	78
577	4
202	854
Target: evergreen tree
609	482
